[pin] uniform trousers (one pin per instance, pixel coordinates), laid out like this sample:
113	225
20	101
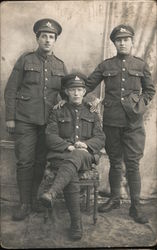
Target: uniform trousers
30	151
124	144
67	178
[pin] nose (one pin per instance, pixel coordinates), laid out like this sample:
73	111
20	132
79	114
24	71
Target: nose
122	41
76	92
47	39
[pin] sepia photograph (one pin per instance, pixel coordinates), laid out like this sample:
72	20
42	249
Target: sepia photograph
78	141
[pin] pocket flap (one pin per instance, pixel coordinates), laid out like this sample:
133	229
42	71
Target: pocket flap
110	73
88	119
64	119
57	72
23	97
135	72
32	67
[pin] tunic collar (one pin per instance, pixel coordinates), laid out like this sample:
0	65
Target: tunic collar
122	56
43	56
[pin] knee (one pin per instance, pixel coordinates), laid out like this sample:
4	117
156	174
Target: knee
73	187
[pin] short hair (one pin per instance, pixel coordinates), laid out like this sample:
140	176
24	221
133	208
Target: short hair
38	34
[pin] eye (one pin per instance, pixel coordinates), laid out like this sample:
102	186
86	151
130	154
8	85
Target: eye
52	36
43	36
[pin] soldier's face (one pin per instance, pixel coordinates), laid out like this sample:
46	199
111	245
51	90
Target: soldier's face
75	94
46	41
123	45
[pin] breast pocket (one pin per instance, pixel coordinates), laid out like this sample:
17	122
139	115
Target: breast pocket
87	127
110	73
135	79
56	75
65	127
110	78
32	73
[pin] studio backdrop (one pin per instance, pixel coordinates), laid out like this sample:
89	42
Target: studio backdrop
83	44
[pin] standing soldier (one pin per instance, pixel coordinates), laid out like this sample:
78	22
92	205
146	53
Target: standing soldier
31	91
128	90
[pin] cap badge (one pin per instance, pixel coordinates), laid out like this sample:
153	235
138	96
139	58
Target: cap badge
48	24
77	78
123	30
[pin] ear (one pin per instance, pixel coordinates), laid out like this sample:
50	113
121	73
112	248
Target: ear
84	91
66	92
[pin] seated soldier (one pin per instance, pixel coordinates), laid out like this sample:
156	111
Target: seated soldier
74	138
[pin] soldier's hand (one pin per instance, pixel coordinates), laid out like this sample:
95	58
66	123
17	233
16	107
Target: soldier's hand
71	148
10	125
59	104
94	105
80	144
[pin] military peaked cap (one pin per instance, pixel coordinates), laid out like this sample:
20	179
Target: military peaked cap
47	25
74	80
121	30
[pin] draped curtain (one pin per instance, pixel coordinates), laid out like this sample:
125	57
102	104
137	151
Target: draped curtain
83	44
142	16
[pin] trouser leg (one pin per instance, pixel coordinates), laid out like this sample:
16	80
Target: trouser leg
134	141
72	199
74	161
25	142
40	161
113	148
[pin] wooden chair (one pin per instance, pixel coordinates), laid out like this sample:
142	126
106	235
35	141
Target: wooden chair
88	179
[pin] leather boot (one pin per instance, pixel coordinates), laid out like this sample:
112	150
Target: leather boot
136	213
62	179
48	198
22	212
73	205
76	230
112	203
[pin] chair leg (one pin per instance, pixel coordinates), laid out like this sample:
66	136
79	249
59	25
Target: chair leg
46	215
88	199
95	204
